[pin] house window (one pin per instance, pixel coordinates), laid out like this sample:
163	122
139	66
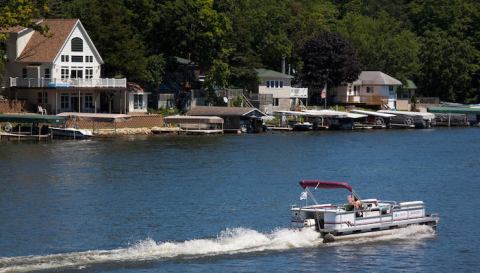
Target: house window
281	84
65	101
88	72
275	102
89	59
77	45
276	84
76	73
47	74
268	84
42	98
24	73
64	73
369	89
138	101
88	101
77	59
65	58
391	89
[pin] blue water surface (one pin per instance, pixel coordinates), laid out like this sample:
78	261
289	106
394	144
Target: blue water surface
109	194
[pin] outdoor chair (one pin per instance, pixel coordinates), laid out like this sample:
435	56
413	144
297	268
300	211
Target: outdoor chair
41	110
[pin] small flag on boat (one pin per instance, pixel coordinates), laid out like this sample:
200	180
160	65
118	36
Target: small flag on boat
323	93
303	196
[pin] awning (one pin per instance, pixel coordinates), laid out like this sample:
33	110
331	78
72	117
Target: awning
371	113
96	116
193	119
325	185
425	116
320	113
32	119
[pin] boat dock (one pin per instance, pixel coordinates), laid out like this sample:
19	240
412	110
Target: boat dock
27	126
199	125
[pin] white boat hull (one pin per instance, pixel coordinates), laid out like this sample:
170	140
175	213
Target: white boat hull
334	223
71	133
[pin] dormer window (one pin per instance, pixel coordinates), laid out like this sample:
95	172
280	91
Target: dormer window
77	45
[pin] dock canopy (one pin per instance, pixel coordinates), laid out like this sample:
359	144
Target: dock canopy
32	119
325	185
193	119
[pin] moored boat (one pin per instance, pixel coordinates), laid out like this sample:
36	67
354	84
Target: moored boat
303	126
71	133
357	218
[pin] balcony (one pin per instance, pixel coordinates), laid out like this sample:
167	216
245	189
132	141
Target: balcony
367	100
298	92
65	83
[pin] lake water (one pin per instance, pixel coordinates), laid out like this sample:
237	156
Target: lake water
221	203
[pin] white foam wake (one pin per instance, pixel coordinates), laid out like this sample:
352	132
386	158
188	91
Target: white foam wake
230	241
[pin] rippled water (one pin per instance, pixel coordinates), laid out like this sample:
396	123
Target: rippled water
221	203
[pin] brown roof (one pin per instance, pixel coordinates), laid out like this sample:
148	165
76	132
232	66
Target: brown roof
220	111
44	48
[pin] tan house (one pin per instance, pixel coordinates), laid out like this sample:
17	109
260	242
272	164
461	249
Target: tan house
276	87
372	88
60	71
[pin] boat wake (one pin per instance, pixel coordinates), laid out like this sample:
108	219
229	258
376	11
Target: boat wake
228	242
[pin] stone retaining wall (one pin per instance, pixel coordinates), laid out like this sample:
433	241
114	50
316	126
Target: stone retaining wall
133	125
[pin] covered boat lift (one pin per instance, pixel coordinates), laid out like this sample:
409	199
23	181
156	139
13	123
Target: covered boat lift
8	131
195	124
324	119
376	119
472	113
411	119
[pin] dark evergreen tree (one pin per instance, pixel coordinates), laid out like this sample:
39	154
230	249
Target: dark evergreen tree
328	59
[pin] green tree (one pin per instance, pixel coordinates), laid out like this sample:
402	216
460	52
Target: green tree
155	71
448	65
328	59
20	13
110	25
383	44
190	29
217	78
456	17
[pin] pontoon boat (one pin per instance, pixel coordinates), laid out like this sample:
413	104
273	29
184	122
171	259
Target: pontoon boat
368	217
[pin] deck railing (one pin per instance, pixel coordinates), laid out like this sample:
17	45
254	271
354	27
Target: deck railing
55	83
368	100
298	92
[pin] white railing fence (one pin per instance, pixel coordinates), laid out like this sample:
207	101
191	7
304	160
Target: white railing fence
43	82
299	92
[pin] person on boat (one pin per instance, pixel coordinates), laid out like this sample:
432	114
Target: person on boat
353	202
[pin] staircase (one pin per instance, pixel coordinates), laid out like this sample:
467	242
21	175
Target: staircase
246	102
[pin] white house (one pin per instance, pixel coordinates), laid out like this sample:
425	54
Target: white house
278	87
372	88
61	71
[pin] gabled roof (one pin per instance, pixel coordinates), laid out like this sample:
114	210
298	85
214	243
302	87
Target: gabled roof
222	111
46	48
268	74
377	78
